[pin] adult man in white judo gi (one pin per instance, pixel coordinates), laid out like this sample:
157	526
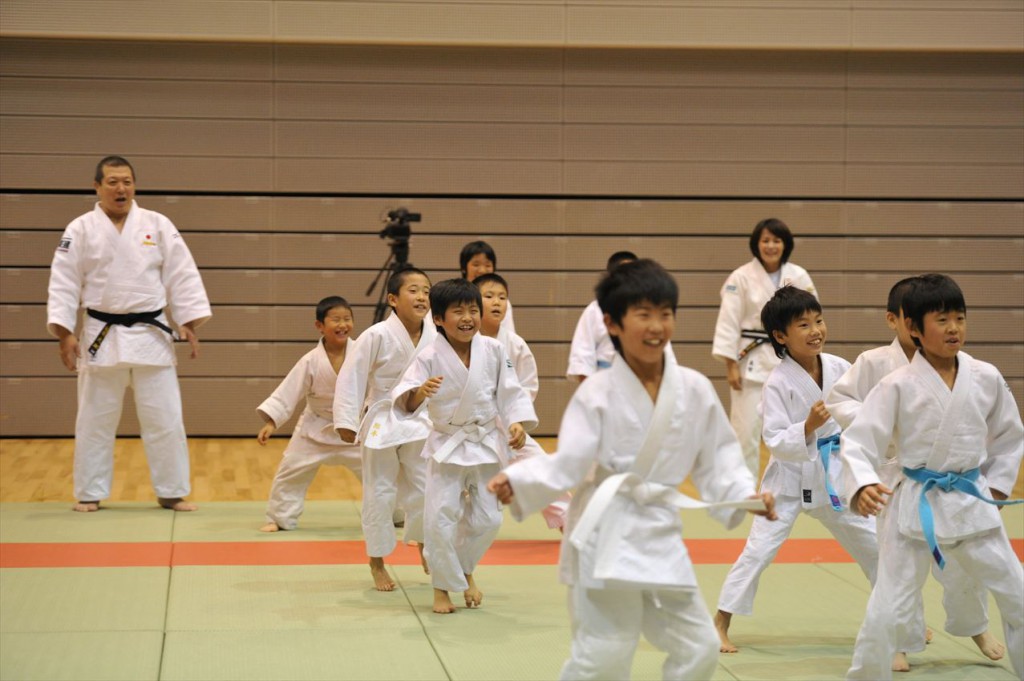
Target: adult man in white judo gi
124	264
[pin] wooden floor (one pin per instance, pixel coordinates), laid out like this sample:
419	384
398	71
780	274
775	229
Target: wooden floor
223	469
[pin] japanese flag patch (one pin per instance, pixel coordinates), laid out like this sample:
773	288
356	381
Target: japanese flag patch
63	245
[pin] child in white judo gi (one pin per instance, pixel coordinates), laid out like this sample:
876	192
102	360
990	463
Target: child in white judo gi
314	441
361	399
804	471
965	601
629	437
494	292
959	439
591	349
476	258
124	264
466	383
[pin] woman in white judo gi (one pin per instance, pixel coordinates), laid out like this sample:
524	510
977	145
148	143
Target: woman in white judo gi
959	439
740	341
314	441
125	264
628	439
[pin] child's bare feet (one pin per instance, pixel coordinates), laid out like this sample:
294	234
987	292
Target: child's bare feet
474	596
928	635
177	504
86	506
443	603
900	663
722	621
270	527
381	579
989	646
423	559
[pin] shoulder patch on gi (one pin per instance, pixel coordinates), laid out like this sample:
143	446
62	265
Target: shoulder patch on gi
731	288
508	363
63	245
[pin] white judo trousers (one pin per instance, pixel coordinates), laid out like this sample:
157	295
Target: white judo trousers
389	474
101	393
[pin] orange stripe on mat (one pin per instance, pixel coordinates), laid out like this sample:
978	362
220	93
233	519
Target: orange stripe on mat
505	552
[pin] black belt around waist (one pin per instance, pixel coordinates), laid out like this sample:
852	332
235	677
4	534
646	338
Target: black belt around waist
130	319
759	338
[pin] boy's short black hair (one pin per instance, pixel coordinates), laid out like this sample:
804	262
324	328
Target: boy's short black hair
619	257
476	248
779	229
931	293
788	303
396	280
632	283
896	293
452	292
328	304
490	278
113	162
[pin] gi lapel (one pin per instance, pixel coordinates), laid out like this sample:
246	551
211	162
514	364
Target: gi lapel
954	404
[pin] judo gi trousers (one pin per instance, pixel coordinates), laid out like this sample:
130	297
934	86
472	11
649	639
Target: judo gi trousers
461	519
299	465
607	623
855	533
158	405
745	418
903	568
383	469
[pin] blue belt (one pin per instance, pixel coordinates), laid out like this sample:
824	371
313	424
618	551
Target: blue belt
602	364
827	445
947	482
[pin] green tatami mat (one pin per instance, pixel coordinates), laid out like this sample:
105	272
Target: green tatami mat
354	654
56	522
268	597
241	520
81	656
83	599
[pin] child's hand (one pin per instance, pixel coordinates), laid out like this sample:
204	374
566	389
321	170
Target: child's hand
347	435
516	436
429	387
769	505
501	488
870	499
998	496
265	433
816	418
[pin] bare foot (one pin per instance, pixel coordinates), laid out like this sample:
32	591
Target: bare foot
86	506
423	559
474	596
722	621
989	646
381	579
900	663
928	635
442	603
270	527
178	504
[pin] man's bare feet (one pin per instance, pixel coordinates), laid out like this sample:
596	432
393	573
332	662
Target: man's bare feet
423	559
722	621
86	506
177	504
443	603
900	663
270	527
381	579
989	646
474	596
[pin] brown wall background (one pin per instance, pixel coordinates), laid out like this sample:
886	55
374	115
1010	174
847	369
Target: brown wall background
278	160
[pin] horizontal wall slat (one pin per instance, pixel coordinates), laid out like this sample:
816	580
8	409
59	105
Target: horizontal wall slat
939	145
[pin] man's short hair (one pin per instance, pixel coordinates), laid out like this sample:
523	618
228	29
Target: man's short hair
476	248
113	162
450	292
328	304
896	293
778	228
632	283
396	280
619	257
788	303
931	293
490	278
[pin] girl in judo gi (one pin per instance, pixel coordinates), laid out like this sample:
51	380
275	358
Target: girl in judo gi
629	437
476	258
314	441
959	440
804	470
466	383
965	601
740	341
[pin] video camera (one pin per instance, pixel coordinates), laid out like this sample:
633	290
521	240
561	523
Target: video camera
398	228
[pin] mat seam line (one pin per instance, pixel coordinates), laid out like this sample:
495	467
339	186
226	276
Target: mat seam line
423	627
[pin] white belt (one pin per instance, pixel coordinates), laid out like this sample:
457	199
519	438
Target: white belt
474	432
